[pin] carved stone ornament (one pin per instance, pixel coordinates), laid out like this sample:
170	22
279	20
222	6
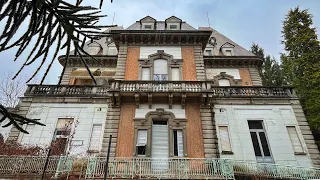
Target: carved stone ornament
160	112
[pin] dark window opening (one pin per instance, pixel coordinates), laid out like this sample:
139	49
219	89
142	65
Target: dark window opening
255	124
147	26
141	150
264	144
160	122
255	143
175	143
173	26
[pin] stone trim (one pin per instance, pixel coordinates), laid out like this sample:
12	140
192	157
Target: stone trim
172	63
21	109
313	150
121	62
210	140
223	75
173	124
111	128
255	77
198	58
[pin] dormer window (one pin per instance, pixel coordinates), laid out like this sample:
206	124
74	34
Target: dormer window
227	49
208	52
173	23
148	23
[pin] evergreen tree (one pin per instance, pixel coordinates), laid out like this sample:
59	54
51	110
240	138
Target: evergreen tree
301	62
271	73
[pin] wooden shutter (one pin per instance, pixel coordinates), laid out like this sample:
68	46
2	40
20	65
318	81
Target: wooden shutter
224	82
160	66
175	74
180	143
26	139
145	73
224	138
294	138
142	137
95	139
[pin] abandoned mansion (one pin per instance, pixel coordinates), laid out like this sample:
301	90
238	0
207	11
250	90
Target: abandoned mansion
168	90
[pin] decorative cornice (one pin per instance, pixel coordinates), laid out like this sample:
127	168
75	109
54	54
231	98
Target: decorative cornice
163	37
232	61
103	60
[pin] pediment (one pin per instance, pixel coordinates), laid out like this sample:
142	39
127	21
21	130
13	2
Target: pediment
173	19
227	45
148	19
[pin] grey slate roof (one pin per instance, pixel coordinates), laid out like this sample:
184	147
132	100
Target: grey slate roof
221	40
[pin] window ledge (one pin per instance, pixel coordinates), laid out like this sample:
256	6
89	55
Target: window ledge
300	153
226	152
92	151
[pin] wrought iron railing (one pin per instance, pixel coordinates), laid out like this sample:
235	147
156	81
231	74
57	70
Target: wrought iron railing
66	90
268	170
172	168
33	165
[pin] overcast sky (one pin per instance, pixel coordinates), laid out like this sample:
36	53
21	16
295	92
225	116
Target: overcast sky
243	21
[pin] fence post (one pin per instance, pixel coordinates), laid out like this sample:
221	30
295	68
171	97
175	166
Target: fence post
46	164
107	163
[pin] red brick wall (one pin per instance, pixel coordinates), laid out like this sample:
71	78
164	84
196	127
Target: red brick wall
188	64
132	64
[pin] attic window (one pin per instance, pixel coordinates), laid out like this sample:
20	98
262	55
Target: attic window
173	26
148	27
228	52
208	52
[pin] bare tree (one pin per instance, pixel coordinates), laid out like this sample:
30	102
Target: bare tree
11	90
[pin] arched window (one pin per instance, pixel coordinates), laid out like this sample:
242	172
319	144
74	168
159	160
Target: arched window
160	70
224	82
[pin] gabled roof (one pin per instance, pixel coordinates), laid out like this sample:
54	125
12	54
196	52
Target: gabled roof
227	45
173	19
148	19
223	41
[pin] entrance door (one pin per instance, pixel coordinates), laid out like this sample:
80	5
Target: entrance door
160	146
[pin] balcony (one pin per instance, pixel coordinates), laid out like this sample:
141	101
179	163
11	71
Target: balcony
66	90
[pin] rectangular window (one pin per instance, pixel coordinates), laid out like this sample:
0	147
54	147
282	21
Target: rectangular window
142	142
145	73
26	139
259	141
224	139
64	126
95	139
147	27
173	27
295	140
177	143
208	53
228	53
175	74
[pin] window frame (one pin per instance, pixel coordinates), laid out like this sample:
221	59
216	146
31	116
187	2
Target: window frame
303	152
171	63
171	25
220	147
146	124
257	131
101	137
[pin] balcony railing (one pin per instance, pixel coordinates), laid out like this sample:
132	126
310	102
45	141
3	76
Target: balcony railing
267	170
133	168
175	168
161	87
66	90
202	87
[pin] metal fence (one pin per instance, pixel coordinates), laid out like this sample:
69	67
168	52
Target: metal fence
172	168
275	171
33	165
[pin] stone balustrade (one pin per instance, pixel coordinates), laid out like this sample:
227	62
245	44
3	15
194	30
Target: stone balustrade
66	90
161	87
